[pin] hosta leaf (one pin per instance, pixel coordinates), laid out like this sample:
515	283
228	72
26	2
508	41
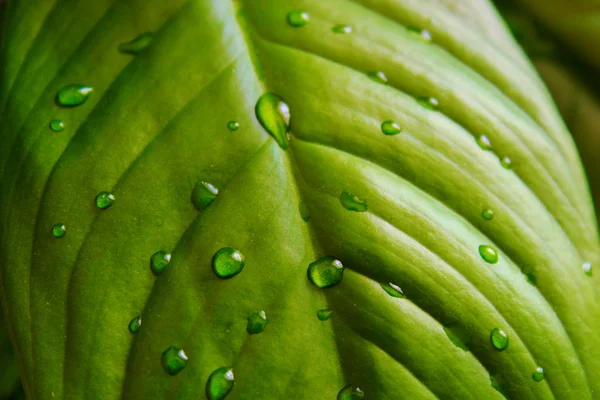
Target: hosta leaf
158	246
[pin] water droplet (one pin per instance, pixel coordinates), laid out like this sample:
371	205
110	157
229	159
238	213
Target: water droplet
350	393
104	200
324	314
203	194
59	230
325	272
430	103
136	45
274	115
73	95
488	253
487	214
257	322
298	18
57	125
506	162
459	335
538	375
353	203
587	268
393	290
228	262
423	34
233	125
390	128
135	324
159	261
304	212
345	29
499	339
219	384
173	360
529	273
484	142
378	77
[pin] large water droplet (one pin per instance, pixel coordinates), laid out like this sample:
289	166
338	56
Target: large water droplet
298	18
203	194
59	230
104	200
326	272
487	214
136	45
506	162
390	128
274	115
378	76
587	268
220	382
538	375
135	324
159	261
488	253
430	103
233	125
173	360
228	262
350	393
57	125
459	335
73	95
353	203
484	142
304	212
324	314
499	339
344	29
393	290
257	322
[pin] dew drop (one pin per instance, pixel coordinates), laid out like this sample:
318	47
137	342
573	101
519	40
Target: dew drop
59	230
344	29
304	212
228	262
274	115
506	162
326	272
298	18
159	261
104	200
430	103
499	339
459	335
173	360
488	253
378	76
529	273
484	142
538	375
353	203
73	95
136	45
390	128
587	268
350	393
57	125
393	290
423	34
220	382
203	195
135	324
324	314
233	125
487	214
256	322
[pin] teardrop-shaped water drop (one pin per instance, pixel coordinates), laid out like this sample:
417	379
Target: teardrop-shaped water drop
488	253
487	214
499	339
59	230
228	262
73	95
173	360
136	45
587	268
233	125
484	142
326	272
298	18
350	393
104	200
459	335
538	375
506	162
57	125
159	261
393	290
203	195
135	324
390	128
344	29
430	103
274	115
353	203
304	212
378	76
220	382
324	314
256	322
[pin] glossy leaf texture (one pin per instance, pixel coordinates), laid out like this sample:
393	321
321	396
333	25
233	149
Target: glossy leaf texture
182	112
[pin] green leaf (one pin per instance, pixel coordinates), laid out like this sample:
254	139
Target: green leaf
181	112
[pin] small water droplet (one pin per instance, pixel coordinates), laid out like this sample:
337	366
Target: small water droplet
233	125
73	95
203	195
256	322
344	29
173	360
159	261
488	253
59	230
57	125
587	268
353	203
529	273
499	339
350	393
459	335
423	34
220	382
274	115
135	324
104	200
378	76
304	212
484	142
136	45
324	314
393	290
487	214
228	262
506	162
390	128
326	272
430	103
298	18
538	375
